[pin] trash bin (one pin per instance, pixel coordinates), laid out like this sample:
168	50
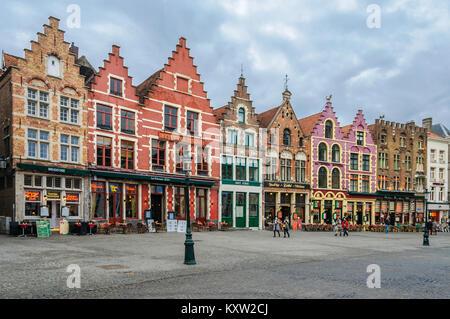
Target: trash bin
14	229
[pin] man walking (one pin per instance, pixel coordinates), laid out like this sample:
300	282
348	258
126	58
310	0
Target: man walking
345	226
387	222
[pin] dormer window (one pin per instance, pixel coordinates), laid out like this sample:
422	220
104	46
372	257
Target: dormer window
53	66
360	138
241	115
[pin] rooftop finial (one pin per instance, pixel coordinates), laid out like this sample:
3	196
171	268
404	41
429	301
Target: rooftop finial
286	80
329	97
242	70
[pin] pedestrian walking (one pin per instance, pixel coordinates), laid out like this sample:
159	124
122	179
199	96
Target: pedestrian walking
286	227
387	222
338	227
276	227
345	226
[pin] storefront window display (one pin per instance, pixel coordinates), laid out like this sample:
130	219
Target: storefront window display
98	202
131	201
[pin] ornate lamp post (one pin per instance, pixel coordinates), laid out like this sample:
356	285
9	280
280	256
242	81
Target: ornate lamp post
426	241
189	257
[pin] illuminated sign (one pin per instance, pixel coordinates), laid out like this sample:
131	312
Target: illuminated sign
53	195
73	197
131	188
32	196
97	187
114	188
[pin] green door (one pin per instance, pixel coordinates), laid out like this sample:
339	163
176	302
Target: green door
240	210
227	208
253	210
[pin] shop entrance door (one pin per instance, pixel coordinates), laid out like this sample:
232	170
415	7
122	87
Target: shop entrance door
286	212
241	214
359	213
54	208
115	203
157	207
328	212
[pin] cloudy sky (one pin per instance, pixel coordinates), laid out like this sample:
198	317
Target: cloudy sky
400	70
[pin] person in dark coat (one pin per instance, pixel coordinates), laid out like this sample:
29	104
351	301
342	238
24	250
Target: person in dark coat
387	222
276	227
286	227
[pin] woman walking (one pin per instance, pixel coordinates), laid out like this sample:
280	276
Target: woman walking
286	227
337	227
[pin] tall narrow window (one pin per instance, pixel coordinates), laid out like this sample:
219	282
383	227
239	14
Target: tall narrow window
323	152
287	137
104	151
192	122
249	140
323	179
38	144
286	169
396	161
353	183
336	179
336	154
365	181
227	167
360	138
182	153
354	158
127	155
329	129
115	87
127	122
232	137
253	170
202	160
158	155
366	163
241	116
241	166
170	118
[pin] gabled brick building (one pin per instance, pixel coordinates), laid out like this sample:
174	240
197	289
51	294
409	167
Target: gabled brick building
286	177
401	171
241	174
43	102
180	126
118	145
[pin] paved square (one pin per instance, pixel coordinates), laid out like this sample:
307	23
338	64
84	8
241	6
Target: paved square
234	264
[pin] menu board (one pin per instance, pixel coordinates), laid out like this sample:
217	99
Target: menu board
43	228
171	226
63	227
181	226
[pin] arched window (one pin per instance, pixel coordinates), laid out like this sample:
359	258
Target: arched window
241	116
323	152
287	137
336	179
336	154
329	129
323	180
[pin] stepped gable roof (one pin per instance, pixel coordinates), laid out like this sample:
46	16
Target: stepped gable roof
308	123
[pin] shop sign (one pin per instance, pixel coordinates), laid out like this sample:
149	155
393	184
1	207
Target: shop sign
172	226
53	195
131	189
32	196
181	227
286	185
169	137
74	198
114	188
97	187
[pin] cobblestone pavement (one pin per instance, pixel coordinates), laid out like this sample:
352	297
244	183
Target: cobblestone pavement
234	264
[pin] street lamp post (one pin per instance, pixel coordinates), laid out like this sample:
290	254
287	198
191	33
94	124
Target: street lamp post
189	257
426	240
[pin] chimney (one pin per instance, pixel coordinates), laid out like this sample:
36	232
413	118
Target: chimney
427	123
74	49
